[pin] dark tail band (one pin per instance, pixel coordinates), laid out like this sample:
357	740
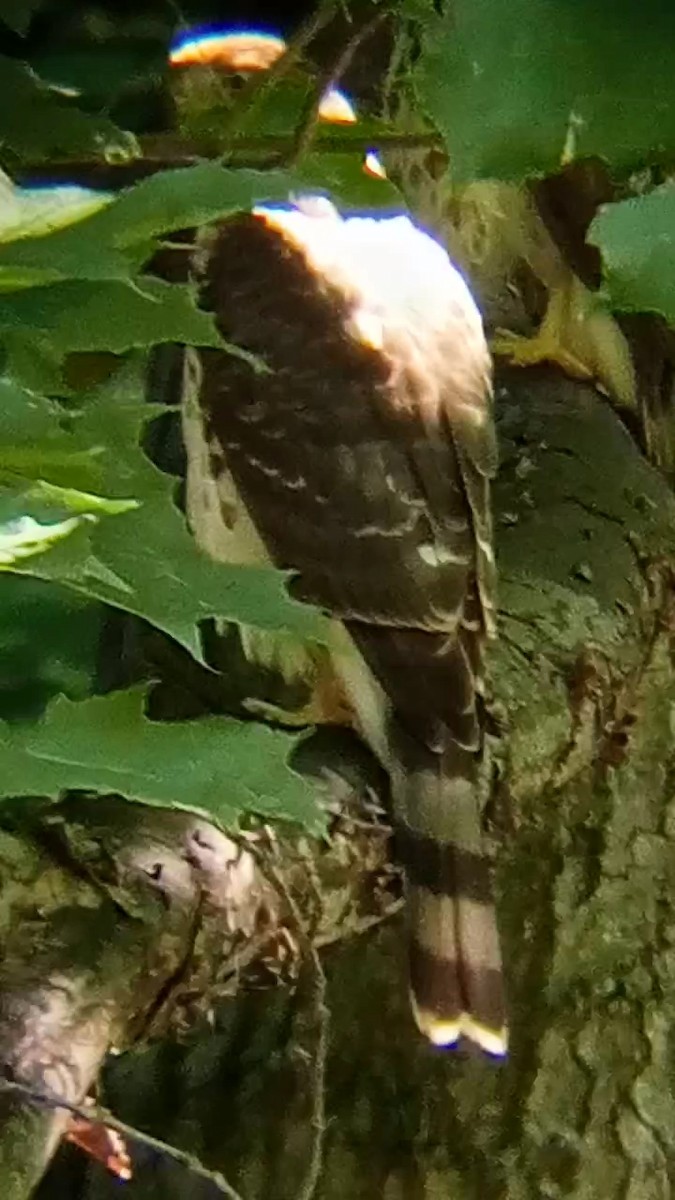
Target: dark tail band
456	982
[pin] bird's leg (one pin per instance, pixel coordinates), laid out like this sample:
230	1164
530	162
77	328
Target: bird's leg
579	334
326	705
554	341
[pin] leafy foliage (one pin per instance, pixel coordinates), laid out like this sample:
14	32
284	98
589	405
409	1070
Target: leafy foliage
145	562
42	476
71	270
637	241
515	88
41	122
112	315
341	174
223	768
32	212
85	517
48	645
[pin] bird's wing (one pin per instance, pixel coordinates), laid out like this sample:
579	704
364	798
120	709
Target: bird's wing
363	458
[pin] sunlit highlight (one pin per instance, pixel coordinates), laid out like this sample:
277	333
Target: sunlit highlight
245	50
447	1033
337	108
387	262
373	165
36	211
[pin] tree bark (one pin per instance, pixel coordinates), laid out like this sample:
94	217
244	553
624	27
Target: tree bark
582	818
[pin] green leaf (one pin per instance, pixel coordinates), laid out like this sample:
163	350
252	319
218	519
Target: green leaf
218	766
37	516
70	500
208	110
26	418
152	566
115	240
88	268
185	197
107	315
190	196
102	72
514	87
35	248
343	175
41	440
49	643
36	211
22	536
40	122
637	240
43	468
37	367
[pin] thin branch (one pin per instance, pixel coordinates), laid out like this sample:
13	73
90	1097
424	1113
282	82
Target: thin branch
364	925
336	141
99	1115
272	149
397	60
262	82
162	152
322	1020
328	80
318	1115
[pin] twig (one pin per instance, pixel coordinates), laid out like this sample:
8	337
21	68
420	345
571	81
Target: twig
162	152
337	141
101	1116
267	151
361	926
318	1116
398	57
262	82
178	14
173	151
322	1017
327	80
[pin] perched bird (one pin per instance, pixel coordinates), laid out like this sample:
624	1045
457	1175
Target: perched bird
363	461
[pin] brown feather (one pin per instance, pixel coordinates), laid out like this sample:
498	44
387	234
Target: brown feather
363	459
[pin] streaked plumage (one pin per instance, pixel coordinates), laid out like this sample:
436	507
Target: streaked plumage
363	462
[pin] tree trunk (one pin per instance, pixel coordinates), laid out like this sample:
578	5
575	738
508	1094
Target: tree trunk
580	809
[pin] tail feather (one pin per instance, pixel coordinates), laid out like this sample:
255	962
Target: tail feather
456	980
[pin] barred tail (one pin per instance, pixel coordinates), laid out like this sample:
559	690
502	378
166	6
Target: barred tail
455	958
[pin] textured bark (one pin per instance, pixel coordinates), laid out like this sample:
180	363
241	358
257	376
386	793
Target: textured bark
584	830
118	922
101	905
